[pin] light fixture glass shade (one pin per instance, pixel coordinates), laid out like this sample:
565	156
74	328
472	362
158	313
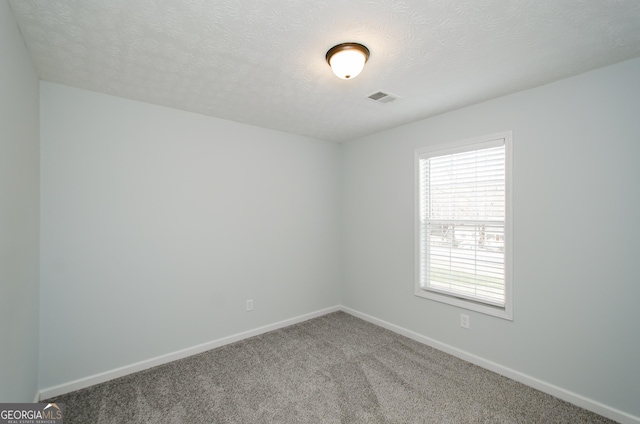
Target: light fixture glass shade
347	60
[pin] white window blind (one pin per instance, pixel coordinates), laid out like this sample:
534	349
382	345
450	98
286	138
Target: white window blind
462	212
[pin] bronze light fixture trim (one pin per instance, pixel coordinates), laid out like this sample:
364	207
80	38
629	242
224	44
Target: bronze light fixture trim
347	59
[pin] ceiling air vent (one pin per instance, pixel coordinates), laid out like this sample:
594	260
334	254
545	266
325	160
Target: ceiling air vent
382	97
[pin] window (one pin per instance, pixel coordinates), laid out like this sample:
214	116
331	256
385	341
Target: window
463	224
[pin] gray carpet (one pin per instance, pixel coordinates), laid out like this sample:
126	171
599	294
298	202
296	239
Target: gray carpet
332	369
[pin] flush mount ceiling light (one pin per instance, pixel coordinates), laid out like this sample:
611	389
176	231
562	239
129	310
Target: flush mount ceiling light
347	59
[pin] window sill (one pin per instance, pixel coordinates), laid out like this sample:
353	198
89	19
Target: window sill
504	313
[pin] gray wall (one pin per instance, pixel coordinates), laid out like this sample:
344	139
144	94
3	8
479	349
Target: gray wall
19	197
158	224
576	233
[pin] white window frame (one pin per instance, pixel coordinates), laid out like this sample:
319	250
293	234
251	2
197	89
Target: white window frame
478	143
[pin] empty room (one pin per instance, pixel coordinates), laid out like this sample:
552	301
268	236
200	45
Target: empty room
330	211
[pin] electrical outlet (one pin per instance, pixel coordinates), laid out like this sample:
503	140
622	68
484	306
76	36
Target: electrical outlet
464	321
249	305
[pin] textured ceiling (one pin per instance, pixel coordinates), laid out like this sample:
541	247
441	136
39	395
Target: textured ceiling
263	63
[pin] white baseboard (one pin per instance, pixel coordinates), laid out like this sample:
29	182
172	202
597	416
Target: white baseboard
163	359
559	392
36	398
